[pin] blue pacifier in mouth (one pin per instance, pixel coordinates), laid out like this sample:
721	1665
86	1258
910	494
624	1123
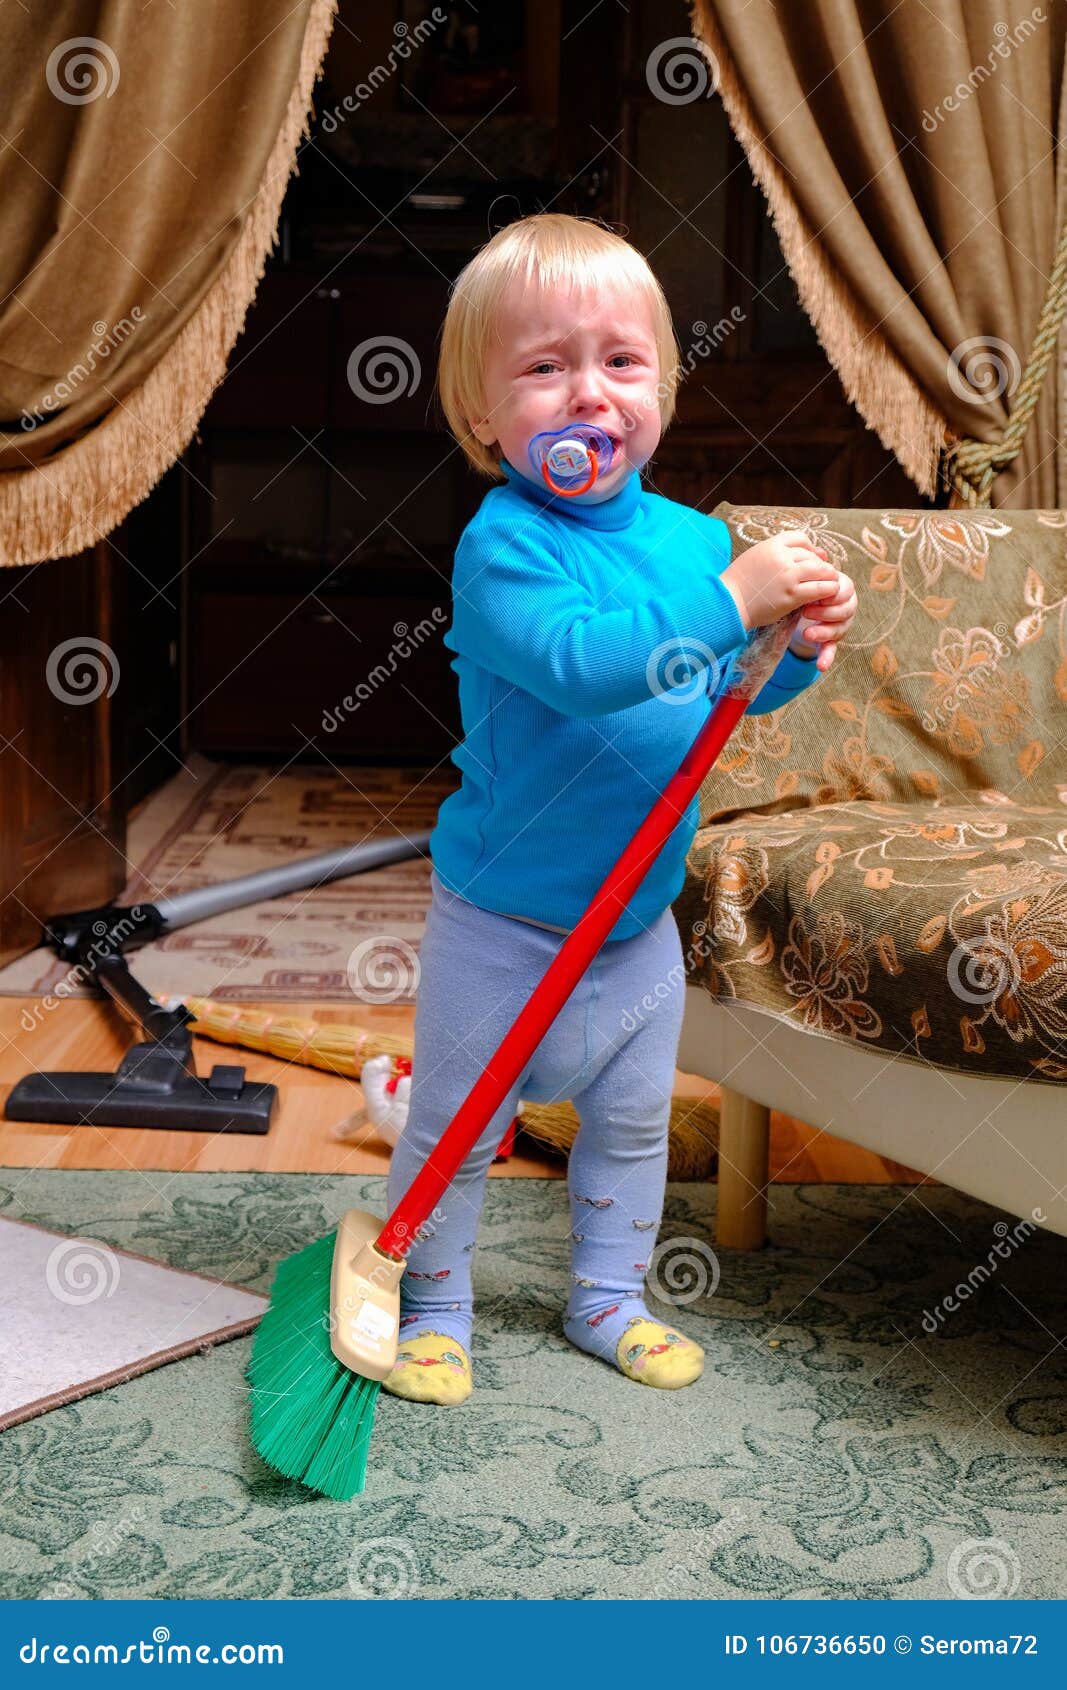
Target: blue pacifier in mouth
570	459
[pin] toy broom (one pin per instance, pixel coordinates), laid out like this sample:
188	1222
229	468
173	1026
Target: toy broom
329	1336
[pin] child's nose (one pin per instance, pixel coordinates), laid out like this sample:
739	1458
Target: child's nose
587	389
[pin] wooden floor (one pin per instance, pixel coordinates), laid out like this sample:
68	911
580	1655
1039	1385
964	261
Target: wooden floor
87	1034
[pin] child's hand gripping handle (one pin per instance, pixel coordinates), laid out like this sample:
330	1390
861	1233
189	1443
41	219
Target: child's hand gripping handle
752	668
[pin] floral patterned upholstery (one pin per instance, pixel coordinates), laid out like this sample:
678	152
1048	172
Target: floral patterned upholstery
884	859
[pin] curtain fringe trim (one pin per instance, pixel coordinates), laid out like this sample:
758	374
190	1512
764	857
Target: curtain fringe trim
60	507
873	376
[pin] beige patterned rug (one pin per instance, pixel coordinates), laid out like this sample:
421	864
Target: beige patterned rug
216	821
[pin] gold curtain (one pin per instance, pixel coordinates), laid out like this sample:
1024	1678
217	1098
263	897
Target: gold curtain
144	154
907	154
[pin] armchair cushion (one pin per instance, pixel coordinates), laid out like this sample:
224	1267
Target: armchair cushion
884	859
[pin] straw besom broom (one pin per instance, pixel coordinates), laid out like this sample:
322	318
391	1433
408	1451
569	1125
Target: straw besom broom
340	1048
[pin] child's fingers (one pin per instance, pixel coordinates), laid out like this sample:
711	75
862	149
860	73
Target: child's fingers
841	607
798	541
811	591
797	537
820	569
834	613
830	624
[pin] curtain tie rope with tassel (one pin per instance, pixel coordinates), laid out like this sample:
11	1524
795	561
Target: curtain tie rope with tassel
970	466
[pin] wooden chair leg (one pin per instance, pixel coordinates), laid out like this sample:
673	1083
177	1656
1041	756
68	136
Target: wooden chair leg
744	1141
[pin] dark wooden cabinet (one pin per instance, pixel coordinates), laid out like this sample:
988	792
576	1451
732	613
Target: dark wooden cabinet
382	372
279	371
321	528
63	691
353	666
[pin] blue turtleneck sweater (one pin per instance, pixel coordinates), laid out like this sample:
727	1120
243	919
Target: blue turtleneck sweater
568	619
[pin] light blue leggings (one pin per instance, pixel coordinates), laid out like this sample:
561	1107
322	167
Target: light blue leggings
611	1050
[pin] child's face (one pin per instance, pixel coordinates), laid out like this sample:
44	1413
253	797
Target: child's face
557	358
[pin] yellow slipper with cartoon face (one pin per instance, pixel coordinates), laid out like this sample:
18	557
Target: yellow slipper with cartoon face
658	1355
430	1368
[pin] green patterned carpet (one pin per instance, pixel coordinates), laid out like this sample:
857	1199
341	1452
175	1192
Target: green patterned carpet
832	1448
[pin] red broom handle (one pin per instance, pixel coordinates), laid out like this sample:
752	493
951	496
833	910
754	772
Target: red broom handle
582	944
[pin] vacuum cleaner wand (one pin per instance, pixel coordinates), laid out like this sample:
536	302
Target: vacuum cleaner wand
156	1083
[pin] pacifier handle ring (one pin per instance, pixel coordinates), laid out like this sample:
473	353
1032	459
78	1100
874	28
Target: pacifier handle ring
569	492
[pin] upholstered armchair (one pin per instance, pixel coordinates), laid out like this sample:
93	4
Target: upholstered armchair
875	908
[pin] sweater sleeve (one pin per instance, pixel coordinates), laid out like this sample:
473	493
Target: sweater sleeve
519	613
792	676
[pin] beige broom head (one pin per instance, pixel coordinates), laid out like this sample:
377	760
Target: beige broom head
364	1297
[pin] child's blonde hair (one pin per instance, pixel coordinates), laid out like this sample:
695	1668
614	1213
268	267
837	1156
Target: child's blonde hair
545	249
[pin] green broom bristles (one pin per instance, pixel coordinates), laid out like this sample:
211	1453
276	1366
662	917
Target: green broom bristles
312	1417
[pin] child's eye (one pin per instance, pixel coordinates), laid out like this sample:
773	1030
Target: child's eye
625	356
537	368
